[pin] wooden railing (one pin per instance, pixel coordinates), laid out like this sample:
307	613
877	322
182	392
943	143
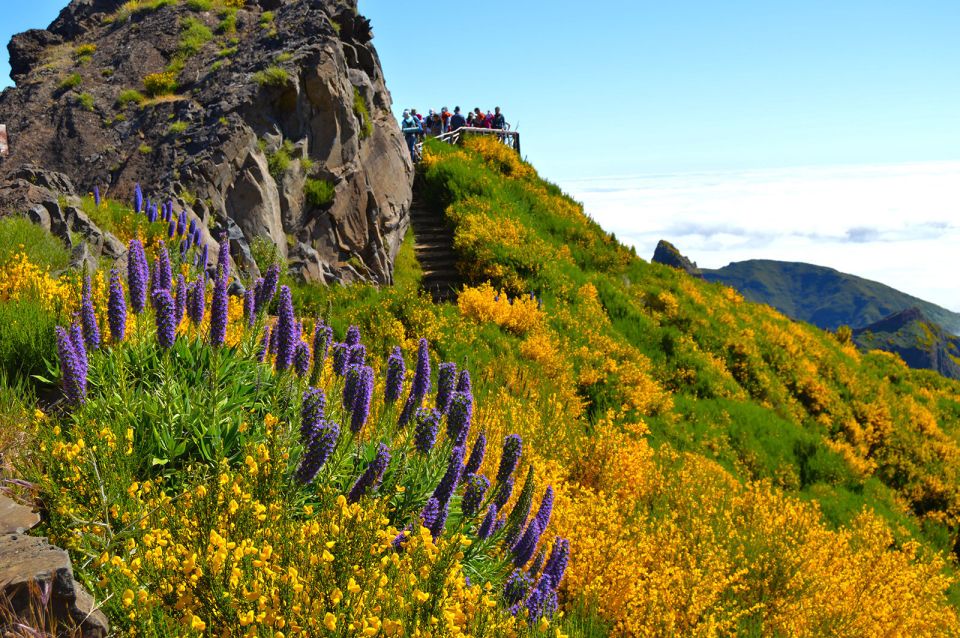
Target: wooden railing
510	138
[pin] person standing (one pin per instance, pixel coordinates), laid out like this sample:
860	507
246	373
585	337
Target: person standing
457	120
499	122
445	116
411	129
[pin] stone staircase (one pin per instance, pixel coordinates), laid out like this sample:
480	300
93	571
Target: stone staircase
433	245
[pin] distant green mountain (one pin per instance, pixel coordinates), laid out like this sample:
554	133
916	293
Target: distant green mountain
920	342
823	296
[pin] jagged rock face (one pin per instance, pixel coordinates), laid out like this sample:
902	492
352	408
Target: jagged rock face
668	255
235	148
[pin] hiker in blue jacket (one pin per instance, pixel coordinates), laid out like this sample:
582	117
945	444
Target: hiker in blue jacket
457	121
411	128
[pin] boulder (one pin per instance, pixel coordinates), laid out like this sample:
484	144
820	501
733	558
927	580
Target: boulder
668	255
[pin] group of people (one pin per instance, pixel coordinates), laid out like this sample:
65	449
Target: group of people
415	126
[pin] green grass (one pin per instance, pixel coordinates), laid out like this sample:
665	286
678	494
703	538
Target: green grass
128	97
27	338
72	81
271	76
85	100
157	84
407	272
319	192
363	114
193	35
199	5
18	234
279	160
177	128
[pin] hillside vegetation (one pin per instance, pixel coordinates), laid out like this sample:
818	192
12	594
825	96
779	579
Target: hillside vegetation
717	468
823	296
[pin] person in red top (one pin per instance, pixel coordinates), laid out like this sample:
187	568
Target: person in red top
445	116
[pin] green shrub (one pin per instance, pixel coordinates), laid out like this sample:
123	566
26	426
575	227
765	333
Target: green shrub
72	81
279	160
319	192
18	234
228	22
286	56
130	96
177	128
266	18
271	76
199	5
27	337
157	84
84	52
85	100
266	253
193	35
363	114
145	149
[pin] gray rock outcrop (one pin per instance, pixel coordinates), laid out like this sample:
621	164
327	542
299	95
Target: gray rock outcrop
668	255
273	119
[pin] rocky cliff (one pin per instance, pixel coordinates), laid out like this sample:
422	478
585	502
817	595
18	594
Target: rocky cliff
265	118
920	342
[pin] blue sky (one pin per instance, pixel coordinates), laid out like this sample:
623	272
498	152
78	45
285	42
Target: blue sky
697	108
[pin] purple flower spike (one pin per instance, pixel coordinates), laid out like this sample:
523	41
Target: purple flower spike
138	276
372	476
489	523
516	588
428	516
476	455
72	370
476	489
341	358
269	287
116	308
425	434
463	383
312	412
353	336
541	601
195	237
446	379
166	325
96	196
223	255
218	309
459	418
396	369
204	256
421	379
273	340
137	199
180	299
503	493
197	304
76	338
523	550
447	485
512	449
322	336
318	452
163	268
192	227
182	223
91	331
285	330
358	355
546	509
441	521
301	359
264	345
171	229
557	563
351	380
248	312
362	399
409	408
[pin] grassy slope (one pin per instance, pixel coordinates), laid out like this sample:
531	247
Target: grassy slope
680	423
823	296
711	375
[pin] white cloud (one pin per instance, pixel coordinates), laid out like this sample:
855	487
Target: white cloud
897	224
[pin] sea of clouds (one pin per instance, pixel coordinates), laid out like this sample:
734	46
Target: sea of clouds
897	224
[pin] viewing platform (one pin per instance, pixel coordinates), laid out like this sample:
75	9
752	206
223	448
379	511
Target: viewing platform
508	137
